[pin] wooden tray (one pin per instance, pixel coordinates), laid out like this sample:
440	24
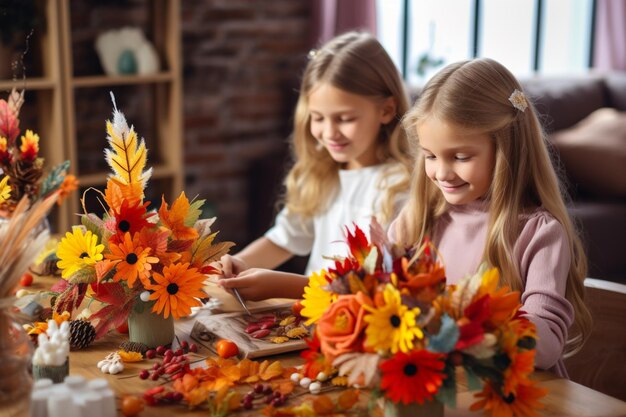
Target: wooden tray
208	329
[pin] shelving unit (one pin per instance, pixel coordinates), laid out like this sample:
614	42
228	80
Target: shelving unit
62	94
164	88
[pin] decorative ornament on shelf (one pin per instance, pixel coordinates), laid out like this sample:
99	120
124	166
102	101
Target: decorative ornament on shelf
385	318
22	167
126	51
137	262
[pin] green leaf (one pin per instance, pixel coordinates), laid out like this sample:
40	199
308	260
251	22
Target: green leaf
195	210
54	179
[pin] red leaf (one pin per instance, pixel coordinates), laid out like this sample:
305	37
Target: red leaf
8	122
110	292
60	286
359	246
70	298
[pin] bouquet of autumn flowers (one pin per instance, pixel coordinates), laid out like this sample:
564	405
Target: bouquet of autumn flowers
385	318
21	165
131	253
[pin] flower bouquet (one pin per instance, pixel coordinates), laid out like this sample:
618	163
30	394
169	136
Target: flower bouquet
21	164
385	318
134	259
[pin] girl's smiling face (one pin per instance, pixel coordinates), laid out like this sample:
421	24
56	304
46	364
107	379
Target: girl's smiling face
458	161
348	125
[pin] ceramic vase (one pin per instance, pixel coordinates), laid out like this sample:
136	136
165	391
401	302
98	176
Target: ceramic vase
15	358
150	328
428	409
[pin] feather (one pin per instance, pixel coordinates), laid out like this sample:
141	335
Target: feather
361	368
128	154
9	111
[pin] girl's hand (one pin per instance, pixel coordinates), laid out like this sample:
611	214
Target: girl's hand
254	284
231	266
259	284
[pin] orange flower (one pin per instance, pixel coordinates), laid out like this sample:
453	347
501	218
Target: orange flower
177	290
523	404
30	146
69	184
341	328
132	261
412	377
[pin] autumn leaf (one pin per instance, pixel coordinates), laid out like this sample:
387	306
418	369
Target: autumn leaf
358	244
174	218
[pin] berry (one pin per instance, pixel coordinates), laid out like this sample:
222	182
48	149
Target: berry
179	352
258	388
160	350
151	354
267	389
154	376
184	344
26	280
144	374
226	348
247	405
131	405
193	348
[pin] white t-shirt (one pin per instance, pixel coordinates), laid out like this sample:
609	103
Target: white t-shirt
358	199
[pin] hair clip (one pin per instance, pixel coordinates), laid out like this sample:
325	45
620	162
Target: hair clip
312	53
518	100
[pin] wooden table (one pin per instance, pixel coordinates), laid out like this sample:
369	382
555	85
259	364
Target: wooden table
565	398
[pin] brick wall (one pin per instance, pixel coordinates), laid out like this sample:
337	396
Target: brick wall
242	65
242	62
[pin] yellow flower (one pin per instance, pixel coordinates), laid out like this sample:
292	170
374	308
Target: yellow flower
392	326
77	251
5	189
30	146
317	298
128	357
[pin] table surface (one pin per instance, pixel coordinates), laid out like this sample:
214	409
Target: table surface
565	398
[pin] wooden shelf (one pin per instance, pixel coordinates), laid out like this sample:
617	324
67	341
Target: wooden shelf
105	80
100	178
29	84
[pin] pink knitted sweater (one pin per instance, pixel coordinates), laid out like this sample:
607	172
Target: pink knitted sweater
544	259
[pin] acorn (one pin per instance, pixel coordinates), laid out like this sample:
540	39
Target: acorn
82	333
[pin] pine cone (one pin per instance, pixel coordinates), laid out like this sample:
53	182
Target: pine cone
129	346
25	178
82	333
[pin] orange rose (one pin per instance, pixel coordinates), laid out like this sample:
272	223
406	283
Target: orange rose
340	329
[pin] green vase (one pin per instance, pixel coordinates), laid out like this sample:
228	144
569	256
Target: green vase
150	328
428	409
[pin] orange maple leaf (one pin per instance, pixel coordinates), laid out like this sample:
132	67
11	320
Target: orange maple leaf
174	218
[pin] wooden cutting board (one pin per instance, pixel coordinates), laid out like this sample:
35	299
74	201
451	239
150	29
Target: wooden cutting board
208	329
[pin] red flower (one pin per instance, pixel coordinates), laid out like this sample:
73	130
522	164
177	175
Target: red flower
129	219
412	377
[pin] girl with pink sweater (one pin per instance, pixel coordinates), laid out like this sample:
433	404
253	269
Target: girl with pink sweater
485	190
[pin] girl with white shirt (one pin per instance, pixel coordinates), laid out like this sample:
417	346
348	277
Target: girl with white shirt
351	162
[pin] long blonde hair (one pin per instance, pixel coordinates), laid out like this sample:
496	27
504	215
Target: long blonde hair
356	63
475	95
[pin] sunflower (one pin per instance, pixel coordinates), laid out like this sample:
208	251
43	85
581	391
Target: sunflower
177	290
393	325
5	189
524	403
412	377
317	298
77	251
132	261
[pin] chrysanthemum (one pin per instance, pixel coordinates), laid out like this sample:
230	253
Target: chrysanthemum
132	261
393	325
5	189
77	251
524	403
413	377
316	298
177	290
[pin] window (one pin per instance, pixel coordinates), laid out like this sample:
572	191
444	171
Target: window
528	36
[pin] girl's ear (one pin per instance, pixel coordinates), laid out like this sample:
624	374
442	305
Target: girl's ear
388	110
